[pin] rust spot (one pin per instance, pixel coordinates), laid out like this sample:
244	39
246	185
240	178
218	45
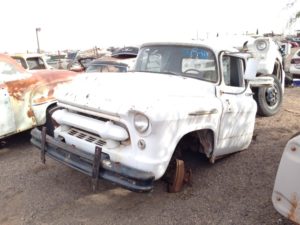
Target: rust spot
30	113
18	88
49	96
294	205
293	148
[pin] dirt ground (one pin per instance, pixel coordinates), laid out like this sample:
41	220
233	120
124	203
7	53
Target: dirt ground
235	190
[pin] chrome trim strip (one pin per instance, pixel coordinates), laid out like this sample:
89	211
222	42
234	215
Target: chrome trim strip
203	112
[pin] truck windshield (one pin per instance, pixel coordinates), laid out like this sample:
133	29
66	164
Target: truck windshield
189	61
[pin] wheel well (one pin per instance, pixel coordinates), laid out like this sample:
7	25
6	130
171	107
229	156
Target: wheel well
49	122
197	141
277	70
51	106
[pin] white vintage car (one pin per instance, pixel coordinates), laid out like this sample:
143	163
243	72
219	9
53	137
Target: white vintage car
286	193
266	51
128	128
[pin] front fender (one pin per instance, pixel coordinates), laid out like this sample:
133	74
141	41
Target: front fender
42	96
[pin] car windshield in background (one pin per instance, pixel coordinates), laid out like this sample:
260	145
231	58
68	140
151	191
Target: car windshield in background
196	62
71	55
35	63
105	68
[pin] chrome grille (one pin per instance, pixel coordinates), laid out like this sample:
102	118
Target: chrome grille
86	136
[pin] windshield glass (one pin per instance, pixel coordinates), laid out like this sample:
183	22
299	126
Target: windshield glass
190	61
35	63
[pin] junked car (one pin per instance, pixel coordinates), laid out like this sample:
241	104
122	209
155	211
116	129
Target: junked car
81	63
104	64
295	65
101	65
286	193
270	63
131	128
32	61
25	96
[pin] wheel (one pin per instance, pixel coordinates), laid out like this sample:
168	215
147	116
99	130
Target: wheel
269	99
176	184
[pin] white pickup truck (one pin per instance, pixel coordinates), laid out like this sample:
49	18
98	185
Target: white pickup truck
269	56
128	128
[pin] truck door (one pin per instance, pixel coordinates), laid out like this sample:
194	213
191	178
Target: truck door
7	120
239	108
7	117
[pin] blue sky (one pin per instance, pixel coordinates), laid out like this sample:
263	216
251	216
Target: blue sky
84	24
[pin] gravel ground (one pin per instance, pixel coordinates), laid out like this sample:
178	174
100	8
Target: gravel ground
235	190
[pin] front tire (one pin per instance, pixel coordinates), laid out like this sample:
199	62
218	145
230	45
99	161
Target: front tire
269	99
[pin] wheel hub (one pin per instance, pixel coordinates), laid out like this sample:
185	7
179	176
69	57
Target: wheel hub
272	96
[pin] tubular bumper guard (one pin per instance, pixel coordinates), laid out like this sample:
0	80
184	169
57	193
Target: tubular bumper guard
129	178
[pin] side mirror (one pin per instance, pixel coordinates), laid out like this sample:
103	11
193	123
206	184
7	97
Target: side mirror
251	69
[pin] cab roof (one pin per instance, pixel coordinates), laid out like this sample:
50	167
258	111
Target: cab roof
27	55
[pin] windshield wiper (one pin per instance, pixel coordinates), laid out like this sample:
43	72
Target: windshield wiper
170	72
165	72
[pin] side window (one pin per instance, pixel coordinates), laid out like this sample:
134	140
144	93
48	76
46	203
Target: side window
35	63
233	70
199	63
7	69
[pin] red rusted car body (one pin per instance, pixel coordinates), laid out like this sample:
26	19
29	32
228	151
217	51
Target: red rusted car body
25	96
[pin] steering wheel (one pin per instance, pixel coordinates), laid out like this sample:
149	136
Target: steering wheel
193	70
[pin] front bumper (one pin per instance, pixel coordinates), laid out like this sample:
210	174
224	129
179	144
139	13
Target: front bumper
127	177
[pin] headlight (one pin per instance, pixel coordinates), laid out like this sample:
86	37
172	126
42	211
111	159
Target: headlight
261	45
141	122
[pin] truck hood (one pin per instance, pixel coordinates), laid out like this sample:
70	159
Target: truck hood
117	93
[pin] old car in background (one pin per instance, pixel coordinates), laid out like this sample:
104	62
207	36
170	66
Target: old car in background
270	63
57	60
106	64
110	64
286	193
63	59
32	61
121	60
25	95
295	65
101	65
132	128
126	52
81	63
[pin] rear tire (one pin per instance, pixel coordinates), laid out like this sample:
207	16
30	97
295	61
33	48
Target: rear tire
269	99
